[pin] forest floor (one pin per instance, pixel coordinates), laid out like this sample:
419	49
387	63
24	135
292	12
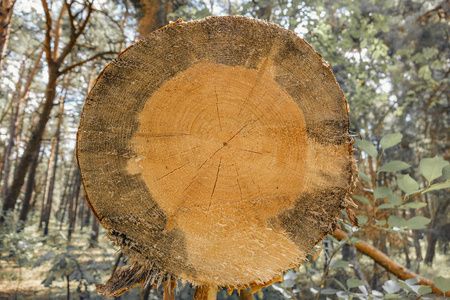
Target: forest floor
35	267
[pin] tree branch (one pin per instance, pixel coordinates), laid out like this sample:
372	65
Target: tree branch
74	32
80	63
48	30
388	264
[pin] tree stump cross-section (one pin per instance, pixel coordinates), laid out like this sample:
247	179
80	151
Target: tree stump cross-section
216	151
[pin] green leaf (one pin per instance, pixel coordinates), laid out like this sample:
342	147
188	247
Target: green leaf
390	140
395	199
395	221
362	219
394	166
407	184
339	264
446	172
438	186
431	168
361	199
382	192
367	147
418	222
364	176
423	290
386	206
442	283
414	205
353	282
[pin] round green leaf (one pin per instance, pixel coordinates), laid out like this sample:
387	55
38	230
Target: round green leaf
390	140
395	221
407	184
339	264
367	147
446	172
382	192
418	222
353	282
423	290
394	166
364	176
442	283
431	168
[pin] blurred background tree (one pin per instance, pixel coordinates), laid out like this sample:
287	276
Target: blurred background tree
391	58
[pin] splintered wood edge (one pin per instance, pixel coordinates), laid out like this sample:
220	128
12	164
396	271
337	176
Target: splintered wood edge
159	271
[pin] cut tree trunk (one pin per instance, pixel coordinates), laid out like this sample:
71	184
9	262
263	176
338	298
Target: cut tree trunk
216	151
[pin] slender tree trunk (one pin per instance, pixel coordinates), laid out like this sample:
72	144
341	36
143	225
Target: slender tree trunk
54	167
15	108
45	183
93	239
432	237
68	184
29	190
73	205
154	14
6	11
33	144
54	61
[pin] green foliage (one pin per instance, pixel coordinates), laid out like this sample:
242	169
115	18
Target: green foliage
442	283
390	140
407	184
367	147
431	168
353	282
394	166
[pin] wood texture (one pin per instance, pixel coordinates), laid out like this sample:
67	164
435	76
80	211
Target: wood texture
217	151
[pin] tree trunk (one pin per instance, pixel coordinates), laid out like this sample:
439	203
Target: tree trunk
73	205
153	14
29	190
54	166
43	194
93	237
432	236
33	144
6	11
156	170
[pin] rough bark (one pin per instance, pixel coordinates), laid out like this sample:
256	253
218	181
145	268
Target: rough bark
12	132
73	206
26	203
432	237
93	236
53	167
152	14
388	264
6	12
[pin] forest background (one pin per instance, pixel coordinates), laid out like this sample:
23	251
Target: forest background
391	58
